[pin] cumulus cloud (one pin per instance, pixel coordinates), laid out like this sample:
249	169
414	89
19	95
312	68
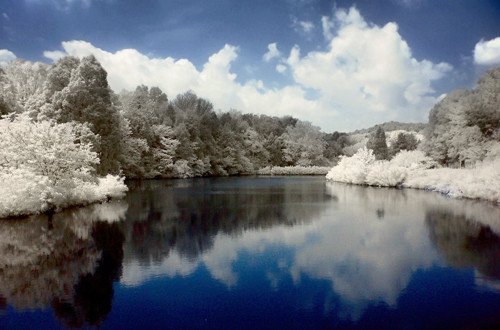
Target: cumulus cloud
365	75
128	68
368	71
6	56
487	52
272	52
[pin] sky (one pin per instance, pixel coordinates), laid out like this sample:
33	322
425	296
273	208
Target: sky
342	65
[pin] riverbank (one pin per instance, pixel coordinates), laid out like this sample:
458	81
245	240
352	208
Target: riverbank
415	170
22	194
294	170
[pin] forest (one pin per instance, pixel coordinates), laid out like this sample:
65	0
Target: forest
67	137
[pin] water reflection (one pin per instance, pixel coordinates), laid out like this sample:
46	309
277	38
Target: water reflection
361	247
465	243
177	224
366	242
67	261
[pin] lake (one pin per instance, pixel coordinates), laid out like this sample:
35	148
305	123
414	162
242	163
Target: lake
255	252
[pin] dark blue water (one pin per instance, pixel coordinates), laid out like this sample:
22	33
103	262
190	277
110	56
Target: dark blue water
278	252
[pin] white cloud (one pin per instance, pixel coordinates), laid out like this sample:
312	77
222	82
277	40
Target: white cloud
304	27
54	55
128	68
327	26
368	72
6	56
366	75
5	16
281	68
272	52
487	52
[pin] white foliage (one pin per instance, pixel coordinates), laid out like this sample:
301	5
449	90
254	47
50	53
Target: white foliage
304	144
357	141
391	136
182	169
46	165
110	186
383	173
293	170
353	169
412	160
481	181
413	169
46	148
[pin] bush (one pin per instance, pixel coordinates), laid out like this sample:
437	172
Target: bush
413	169
46	165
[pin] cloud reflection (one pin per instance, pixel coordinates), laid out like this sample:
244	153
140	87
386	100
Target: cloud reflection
367	242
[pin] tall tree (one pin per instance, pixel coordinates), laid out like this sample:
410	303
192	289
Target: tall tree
87	99
377	142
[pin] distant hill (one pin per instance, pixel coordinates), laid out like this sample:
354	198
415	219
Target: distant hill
393	126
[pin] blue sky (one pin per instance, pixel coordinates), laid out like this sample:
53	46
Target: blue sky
441	37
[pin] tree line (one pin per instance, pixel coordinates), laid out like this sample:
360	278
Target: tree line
144	134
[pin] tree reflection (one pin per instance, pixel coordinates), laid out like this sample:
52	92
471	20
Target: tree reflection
67	261
93	294
368	242
465	242
188	215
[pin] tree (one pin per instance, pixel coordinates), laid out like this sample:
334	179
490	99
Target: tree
25	81
465	125
48	165
377	142
42	164
254	144
56	151
87	99
483	105
7	94
404	141
335	142
304	144
134	151
58	78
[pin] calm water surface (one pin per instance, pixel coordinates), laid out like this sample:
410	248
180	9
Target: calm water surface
266	252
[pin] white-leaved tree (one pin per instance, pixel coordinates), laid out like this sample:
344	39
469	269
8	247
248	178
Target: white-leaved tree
465	126
57	151
46	165
23	83
163	151
87	99
304	145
